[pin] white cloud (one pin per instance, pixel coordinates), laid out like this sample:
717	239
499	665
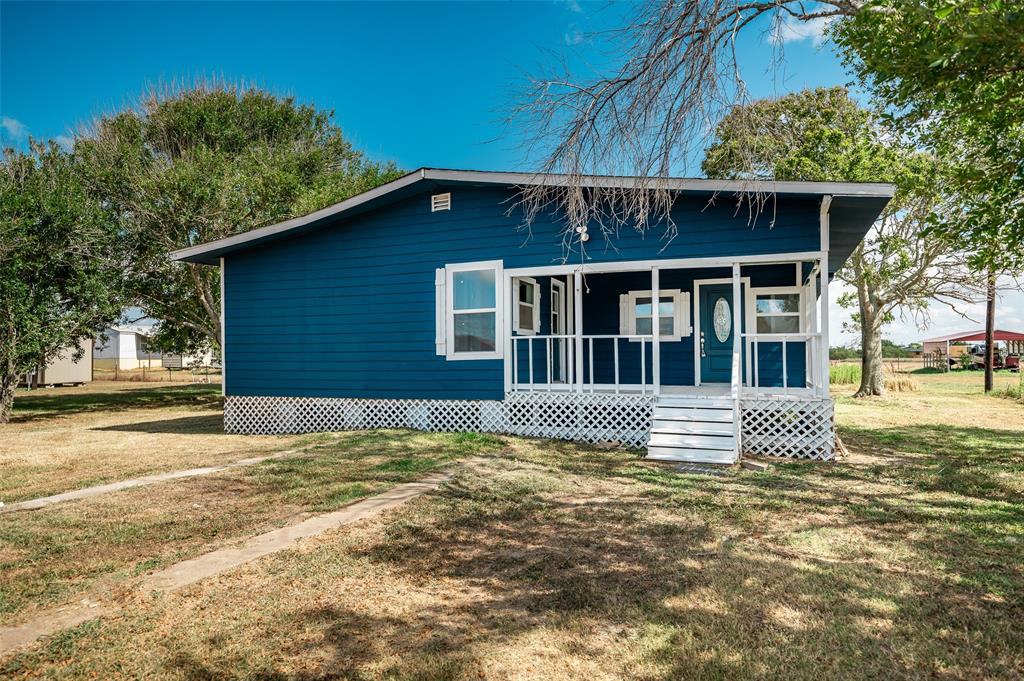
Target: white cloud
791	30
66	141
941	319
14	128
573	6
573	37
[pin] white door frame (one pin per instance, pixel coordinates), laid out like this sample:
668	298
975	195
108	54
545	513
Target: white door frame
747	310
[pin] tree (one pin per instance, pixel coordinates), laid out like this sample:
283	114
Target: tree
676	76
823	135
190	165
950	75
61	264
951	70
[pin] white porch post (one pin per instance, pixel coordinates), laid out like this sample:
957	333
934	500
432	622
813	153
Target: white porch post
823	341
577	312
223	334
823	328
656	330
737	308
736	377
508	344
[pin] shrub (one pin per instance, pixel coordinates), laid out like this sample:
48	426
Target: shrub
844	374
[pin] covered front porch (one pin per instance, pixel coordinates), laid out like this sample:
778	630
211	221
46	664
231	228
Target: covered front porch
595	329
732	357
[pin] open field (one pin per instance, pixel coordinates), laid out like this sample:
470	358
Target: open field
556	561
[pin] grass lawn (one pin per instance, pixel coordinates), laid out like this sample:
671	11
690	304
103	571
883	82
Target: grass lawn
556	561
66	438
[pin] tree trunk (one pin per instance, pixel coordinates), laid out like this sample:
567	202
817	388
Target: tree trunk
872	380
990	330
7	383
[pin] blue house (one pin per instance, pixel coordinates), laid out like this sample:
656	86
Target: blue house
425	303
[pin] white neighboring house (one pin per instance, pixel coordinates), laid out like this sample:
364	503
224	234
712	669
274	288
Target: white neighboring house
126	348
63	369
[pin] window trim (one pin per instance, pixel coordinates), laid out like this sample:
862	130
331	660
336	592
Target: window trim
681	322
498	309
535	306
772	290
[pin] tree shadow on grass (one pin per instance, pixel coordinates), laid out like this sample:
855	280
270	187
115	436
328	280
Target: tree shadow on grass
678	593
964	460
35	407
205	424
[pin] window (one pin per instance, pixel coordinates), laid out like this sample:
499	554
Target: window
637	314
469	308
527	310
777	312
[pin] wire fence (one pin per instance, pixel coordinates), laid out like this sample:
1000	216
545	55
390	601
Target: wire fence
157	374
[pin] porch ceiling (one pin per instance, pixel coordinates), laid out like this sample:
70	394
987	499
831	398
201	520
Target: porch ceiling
850	218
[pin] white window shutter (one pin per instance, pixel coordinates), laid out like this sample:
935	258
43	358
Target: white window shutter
440	332
515	304
536	307
624	315
685	327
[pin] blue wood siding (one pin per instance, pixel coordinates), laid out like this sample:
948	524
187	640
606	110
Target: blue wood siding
348	310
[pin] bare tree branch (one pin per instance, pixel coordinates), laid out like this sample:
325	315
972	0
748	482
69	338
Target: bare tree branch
649	119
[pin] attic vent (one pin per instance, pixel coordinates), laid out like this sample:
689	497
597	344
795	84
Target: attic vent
440	202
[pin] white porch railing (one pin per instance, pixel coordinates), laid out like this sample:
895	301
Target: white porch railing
568	362
812	360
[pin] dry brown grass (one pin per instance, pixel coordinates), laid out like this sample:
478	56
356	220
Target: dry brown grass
66	438
555	561
99	544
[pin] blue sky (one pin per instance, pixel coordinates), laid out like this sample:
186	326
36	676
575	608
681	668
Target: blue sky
419	83
422	84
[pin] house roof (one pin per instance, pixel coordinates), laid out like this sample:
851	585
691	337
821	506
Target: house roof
860	203
978	335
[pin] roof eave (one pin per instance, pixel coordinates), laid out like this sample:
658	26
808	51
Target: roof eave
210	252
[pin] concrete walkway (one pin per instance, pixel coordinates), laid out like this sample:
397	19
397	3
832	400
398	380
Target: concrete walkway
191	571
85	492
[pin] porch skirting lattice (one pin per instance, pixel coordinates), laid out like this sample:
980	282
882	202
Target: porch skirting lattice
798	429
770	427
590	418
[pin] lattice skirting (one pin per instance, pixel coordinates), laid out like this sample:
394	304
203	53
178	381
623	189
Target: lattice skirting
585	418
799	429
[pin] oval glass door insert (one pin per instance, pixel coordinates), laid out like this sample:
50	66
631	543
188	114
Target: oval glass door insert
722	319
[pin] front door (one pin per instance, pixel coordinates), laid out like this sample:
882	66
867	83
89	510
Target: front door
716	333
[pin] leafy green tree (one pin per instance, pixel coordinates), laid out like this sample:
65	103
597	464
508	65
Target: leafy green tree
823	135
950	74
892	350
61	264
195	164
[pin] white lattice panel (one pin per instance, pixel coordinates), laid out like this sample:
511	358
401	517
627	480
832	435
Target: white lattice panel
803	429
593	417
565	416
